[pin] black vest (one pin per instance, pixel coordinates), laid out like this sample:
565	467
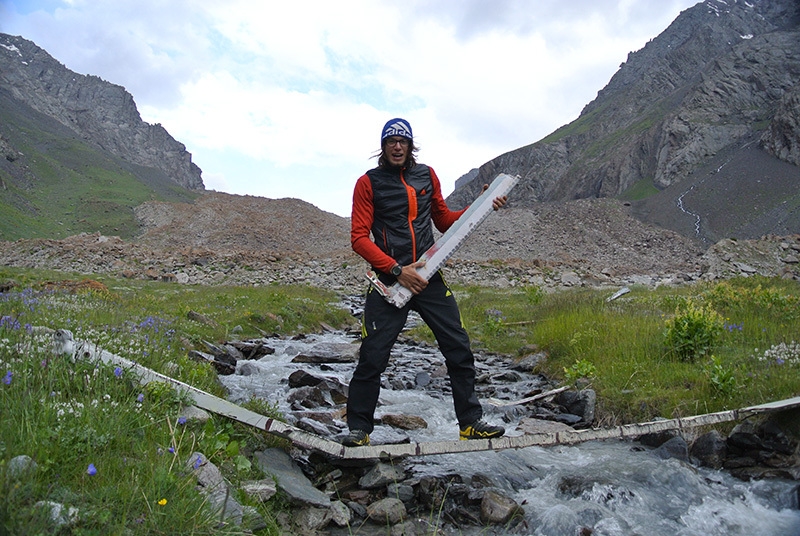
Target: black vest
401	223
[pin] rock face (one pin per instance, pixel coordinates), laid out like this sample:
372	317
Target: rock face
96	110
722	73
782	138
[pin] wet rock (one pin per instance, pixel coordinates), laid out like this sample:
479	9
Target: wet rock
387	511
422	379
657	439
311	518
531	425
674	448
290	478
498	508
581	403
315	427
252	349
404	422
223	364
340	514
710	449
310	397
301	378
329	353
247	369
380	476
529	362
401	491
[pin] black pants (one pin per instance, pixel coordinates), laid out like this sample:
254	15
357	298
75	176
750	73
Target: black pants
380	326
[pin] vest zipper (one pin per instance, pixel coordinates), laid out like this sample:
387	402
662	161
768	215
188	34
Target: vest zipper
412	214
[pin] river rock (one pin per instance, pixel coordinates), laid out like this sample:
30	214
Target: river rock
498	508
404	422
674	448
381	475
311	518
710	449
290	478
387	511
581	403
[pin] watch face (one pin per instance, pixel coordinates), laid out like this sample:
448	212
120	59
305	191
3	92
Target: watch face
397	270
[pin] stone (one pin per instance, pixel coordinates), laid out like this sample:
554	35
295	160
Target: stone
675	448
311	518
404	422
59	514
498	508
260	490
709	449
340	513
387	511
291	480
381	475
21	466
581	403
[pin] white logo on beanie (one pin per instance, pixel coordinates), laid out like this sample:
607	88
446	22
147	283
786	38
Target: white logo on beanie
397	127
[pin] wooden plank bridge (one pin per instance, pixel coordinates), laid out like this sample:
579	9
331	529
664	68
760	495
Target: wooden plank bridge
309	441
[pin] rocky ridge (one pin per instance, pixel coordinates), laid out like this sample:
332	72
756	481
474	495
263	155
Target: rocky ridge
720	74
98	111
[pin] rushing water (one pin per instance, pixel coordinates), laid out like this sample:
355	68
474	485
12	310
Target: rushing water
614	487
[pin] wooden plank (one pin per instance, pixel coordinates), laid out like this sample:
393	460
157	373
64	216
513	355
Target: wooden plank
334	449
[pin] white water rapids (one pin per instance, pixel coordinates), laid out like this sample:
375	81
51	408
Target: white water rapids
616	488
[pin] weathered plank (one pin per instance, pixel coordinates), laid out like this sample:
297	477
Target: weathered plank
333	449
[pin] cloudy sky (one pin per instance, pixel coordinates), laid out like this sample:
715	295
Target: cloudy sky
287	98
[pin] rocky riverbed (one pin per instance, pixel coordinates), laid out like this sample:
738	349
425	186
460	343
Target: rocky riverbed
586	489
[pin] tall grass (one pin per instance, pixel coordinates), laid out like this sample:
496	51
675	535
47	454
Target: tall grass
117	452
112	449
638	375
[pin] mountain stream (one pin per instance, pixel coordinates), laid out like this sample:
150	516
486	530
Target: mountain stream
618	488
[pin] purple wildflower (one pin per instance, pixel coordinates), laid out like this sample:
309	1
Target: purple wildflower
181	420
140	398
92	470
7	378
117	372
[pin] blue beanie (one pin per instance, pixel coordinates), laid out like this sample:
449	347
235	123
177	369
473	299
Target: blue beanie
396	127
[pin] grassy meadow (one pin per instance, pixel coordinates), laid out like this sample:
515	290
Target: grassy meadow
117	452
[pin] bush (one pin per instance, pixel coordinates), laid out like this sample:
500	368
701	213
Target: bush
692	331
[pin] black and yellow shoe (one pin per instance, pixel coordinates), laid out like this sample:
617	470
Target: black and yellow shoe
356	438
480	430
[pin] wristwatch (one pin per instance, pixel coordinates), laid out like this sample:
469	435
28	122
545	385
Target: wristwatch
396	270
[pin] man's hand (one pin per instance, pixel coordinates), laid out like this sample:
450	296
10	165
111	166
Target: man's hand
498	201
410	279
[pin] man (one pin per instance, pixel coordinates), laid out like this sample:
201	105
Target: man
397	202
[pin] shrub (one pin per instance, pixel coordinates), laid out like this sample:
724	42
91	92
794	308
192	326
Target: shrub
692	331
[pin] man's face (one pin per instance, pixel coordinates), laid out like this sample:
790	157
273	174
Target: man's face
396	148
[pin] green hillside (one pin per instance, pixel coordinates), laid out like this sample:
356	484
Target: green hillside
54	184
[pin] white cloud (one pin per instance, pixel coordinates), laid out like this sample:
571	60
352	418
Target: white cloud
287	98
